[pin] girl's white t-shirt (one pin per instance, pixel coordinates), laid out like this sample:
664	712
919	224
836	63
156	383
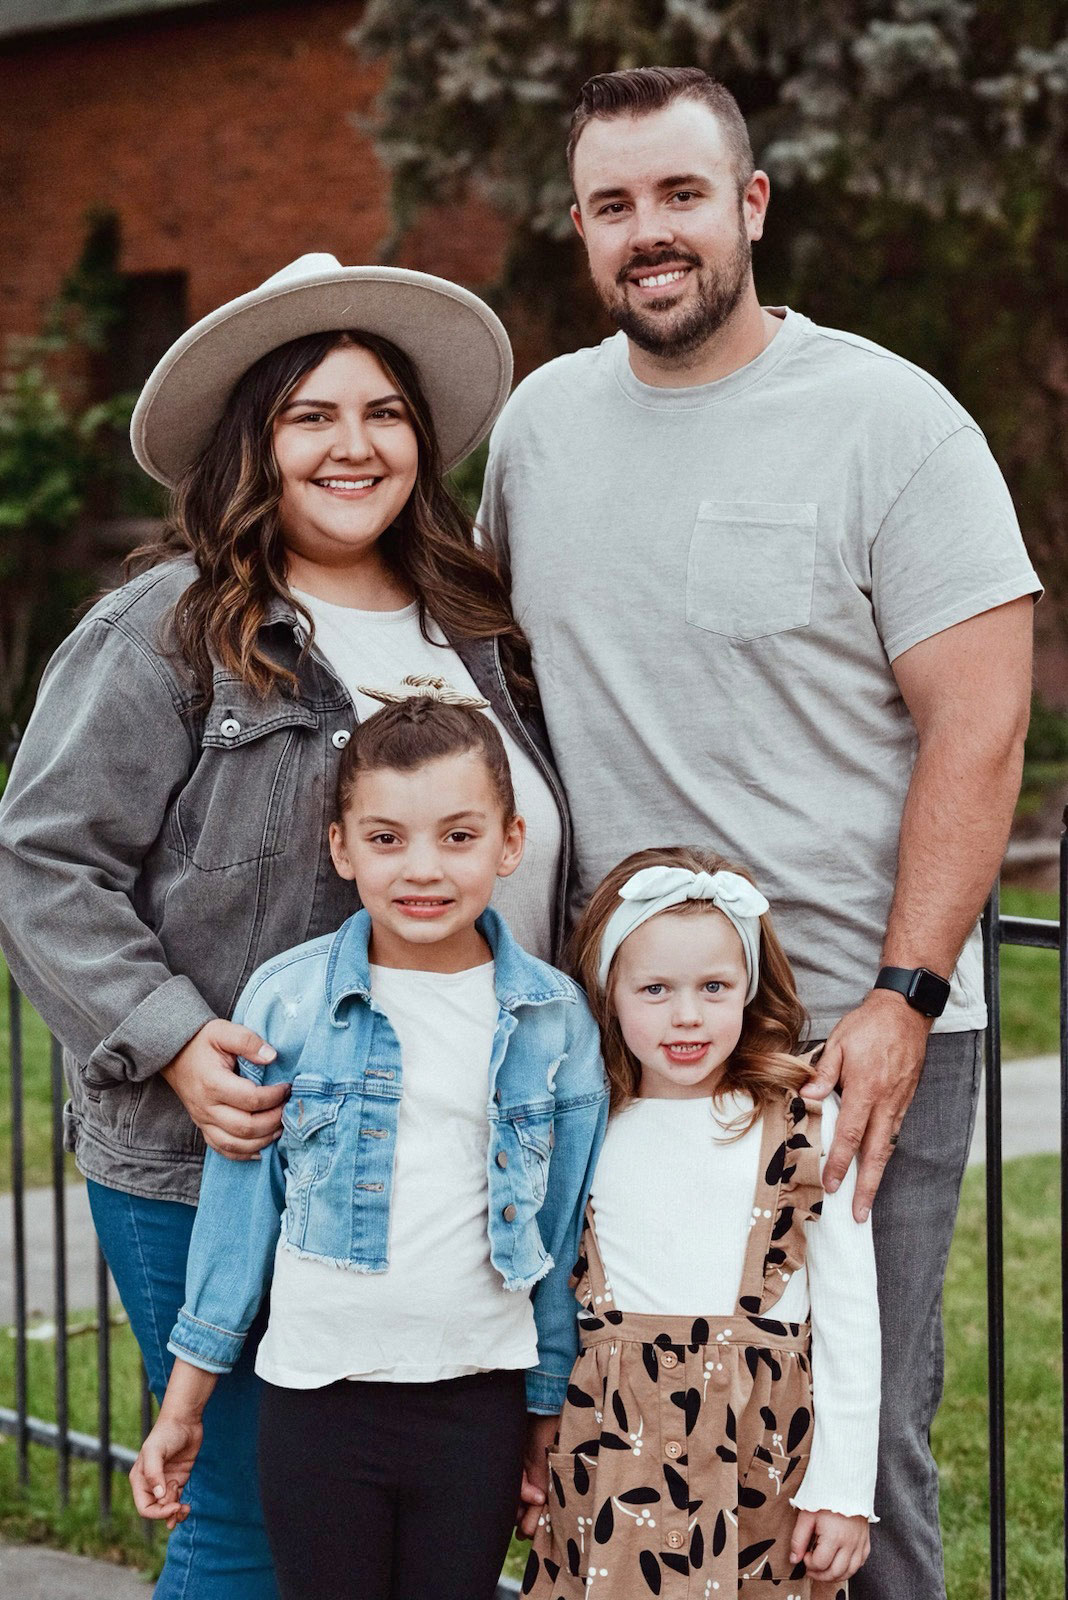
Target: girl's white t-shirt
379	649
441	1309
673	1199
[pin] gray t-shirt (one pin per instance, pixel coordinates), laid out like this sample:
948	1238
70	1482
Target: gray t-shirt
715	581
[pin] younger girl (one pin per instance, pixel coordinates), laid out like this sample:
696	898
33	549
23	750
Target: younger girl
720	1288
446	1098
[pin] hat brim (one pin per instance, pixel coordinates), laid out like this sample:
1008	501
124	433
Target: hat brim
458	345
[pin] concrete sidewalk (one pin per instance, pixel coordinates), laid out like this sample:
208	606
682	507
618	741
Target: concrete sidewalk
32	1572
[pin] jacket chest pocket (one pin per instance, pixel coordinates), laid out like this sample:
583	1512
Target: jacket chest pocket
238	803
535	1137
310	1122
751	567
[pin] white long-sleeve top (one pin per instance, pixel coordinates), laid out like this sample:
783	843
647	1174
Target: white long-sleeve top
674	1201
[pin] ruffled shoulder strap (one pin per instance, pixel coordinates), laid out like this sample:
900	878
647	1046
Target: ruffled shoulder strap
788	1194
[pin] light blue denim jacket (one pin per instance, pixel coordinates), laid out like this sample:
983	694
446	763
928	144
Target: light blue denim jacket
329	1176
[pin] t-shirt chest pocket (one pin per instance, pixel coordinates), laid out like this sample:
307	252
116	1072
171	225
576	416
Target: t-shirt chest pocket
751	567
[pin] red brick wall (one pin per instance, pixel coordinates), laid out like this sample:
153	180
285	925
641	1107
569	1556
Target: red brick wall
225	144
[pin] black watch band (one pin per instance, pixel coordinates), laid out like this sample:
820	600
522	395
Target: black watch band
924	990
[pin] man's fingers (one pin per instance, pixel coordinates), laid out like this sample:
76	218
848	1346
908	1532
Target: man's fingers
871	1166
235	1149
848	1137
258	1126
828	1071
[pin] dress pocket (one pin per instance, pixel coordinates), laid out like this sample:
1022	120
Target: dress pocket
751	567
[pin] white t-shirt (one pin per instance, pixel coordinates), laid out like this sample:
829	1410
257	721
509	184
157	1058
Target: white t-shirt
441	1309
715	581
674	1204
379	649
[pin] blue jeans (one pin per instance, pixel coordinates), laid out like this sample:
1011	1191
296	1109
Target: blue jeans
220	1551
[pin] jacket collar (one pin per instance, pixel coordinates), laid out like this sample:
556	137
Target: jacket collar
518	977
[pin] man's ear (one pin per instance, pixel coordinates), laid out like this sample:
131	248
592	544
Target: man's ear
576	217
755	204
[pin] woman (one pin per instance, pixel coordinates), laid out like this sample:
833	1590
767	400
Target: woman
164	830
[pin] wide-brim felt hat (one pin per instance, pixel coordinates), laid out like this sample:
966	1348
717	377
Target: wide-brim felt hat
458	345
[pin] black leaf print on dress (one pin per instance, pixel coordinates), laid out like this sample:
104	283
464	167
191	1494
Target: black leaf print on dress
798	1427
652	1367
725	1454
574	1559
719	1534
530	1575
699	1331
678	1488
613	1317
730	1427
816	1208
639	1497
750	1303
797	1108
783	1222
768	1418
750	1497
770	1362
588	1447
753	1553
650	1570
582	1477
773	1175
552	1568
578	1397
798	1141
784	1329
620	1410
602	1528
697	1548
612	1441
752	1359
676	1563
558	1488
693	1409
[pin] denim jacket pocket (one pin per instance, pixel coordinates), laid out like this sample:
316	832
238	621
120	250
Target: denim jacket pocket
309	1120
533	1128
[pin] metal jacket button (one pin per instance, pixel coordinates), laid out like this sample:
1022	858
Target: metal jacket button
229	727
668	1359
340	739
509	1213
502	1158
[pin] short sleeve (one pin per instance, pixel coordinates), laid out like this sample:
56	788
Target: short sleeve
949	547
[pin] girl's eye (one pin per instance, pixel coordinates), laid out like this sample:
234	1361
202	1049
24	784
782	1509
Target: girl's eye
383	838
654	988
459	836
713	986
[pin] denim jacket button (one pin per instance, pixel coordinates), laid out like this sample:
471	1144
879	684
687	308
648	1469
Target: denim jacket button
340	739
509	1213
229	727
502	1158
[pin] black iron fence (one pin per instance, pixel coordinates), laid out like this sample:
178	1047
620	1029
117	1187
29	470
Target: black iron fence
110	1457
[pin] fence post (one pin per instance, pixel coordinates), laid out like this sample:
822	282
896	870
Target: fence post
995	1246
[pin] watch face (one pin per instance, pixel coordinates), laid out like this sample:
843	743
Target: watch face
928	992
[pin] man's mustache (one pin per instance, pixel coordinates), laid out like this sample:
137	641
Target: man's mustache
661	258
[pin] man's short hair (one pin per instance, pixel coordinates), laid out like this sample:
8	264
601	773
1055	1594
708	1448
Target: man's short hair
641	90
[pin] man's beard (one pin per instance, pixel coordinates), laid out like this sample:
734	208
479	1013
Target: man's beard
654	329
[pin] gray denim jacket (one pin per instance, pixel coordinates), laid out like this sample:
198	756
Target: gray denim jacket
153	854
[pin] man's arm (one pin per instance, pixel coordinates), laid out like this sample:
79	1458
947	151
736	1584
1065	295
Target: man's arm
968	691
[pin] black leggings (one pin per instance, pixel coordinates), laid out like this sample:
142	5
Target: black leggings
392	1491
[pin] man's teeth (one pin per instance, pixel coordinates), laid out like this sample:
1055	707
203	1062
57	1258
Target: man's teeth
345	483
663	277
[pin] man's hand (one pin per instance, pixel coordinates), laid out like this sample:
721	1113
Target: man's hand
541	1431
876	1055
832	1546
236	1117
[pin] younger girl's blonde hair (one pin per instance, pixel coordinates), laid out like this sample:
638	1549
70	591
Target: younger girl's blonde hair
764	1062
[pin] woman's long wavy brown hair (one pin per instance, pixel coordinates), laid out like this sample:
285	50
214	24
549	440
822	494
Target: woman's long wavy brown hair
764	1062
225	512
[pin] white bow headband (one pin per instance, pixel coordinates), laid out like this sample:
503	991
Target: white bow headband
656	889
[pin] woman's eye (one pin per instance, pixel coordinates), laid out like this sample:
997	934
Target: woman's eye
311	416
390	413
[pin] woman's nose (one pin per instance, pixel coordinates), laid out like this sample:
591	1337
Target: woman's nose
351	441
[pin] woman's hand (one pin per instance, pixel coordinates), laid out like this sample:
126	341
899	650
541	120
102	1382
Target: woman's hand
162	1468
236	1117
831	1546
541	1431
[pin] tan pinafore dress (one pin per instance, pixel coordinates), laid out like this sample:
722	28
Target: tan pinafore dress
683	1438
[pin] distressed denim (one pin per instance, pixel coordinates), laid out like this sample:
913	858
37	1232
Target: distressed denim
330	1189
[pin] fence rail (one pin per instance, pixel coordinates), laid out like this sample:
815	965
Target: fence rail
69	1444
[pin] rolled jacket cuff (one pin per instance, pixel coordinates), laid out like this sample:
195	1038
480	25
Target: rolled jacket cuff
546	1392
204	1345
150	1036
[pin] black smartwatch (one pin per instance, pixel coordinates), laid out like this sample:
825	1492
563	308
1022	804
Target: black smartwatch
925	991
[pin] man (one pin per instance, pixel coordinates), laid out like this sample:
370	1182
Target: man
779	605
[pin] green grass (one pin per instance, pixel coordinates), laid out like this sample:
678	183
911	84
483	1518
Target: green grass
1032	1300
1029	982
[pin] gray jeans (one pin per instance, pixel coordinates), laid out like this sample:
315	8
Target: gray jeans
913	1220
